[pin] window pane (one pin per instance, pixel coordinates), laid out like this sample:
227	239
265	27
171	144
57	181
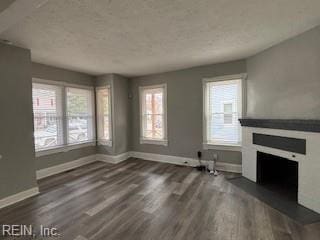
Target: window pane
153	126
47	116
153	113
79	114
103	112
227	108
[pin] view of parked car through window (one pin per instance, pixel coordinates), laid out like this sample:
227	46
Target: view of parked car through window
49	123
78	115
47	116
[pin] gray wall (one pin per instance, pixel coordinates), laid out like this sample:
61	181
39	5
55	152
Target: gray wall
120	113
284	81
17	170
4	4
184	89
58	74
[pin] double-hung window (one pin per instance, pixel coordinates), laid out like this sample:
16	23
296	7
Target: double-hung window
47	116
103	96
222	109
79	115
63	115
153	115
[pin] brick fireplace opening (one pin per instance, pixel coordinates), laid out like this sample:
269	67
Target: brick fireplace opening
278	174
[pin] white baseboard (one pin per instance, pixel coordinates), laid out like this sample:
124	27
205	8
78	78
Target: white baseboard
164	158
221	166
46	172
229	167
110	159
113	158
18	197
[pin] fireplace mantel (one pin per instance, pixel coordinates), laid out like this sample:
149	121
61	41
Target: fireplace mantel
285	124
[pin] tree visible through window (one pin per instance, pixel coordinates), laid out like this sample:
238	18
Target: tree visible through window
153	118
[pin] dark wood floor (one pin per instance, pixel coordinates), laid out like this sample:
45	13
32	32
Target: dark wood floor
139	199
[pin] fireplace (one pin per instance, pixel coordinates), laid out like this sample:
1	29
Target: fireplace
296	142
278	174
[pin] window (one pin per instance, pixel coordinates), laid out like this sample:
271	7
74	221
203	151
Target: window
104	115
222	109
47	111
62	115
153	115
79	115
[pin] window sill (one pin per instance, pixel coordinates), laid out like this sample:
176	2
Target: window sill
223	147
155	142
107	143
62	149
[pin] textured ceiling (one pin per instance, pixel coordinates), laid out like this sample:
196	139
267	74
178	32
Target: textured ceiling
138	37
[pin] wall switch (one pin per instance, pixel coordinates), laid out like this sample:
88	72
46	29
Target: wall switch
0	156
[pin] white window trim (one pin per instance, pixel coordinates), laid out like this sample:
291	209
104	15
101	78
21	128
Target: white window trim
222	145
164	141
106	142
67	147
154	141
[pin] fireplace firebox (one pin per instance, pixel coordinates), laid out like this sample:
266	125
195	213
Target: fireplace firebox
278	174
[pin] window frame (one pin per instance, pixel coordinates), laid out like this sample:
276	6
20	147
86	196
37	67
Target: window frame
65	147
105	142
242	92
164	141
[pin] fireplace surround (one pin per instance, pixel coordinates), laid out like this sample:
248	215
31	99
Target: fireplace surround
295	142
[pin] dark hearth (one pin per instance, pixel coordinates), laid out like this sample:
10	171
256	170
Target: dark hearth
278	174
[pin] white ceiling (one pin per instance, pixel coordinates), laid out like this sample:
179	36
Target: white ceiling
139	37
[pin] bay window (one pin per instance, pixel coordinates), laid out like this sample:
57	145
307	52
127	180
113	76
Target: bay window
63	115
